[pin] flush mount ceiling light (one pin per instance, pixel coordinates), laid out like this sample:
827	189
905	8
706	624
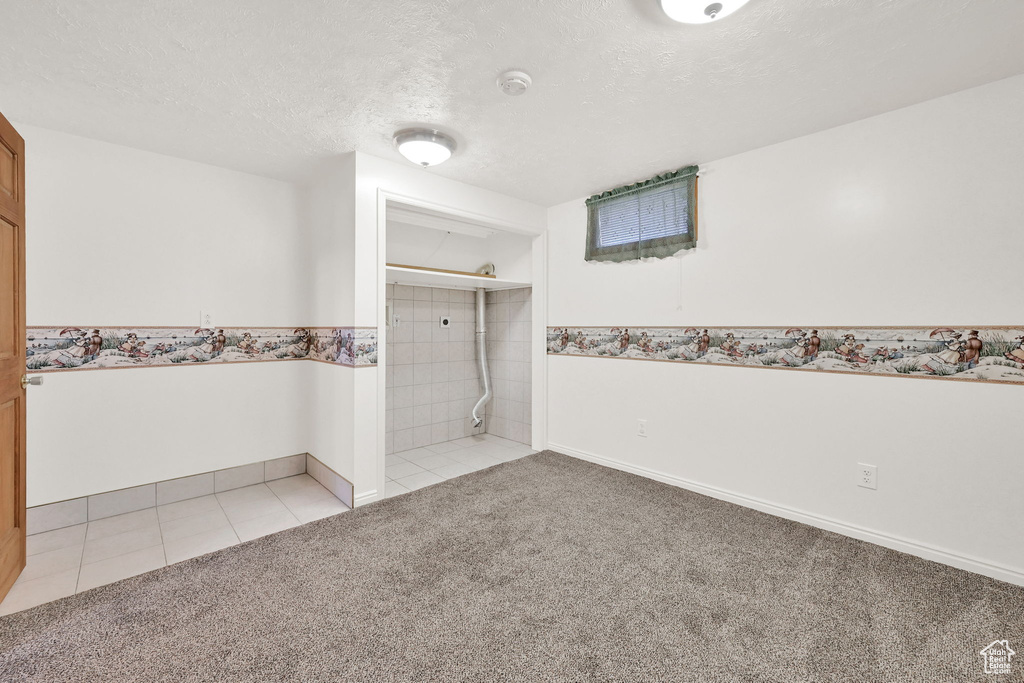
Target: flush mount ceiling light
700	11
424	146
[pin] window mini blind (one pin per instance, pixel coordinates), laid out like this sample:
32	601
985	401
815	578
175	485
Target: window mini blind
655	218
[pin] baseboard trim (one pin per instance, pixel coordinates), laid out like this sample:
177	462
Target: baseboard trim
368	497
922	550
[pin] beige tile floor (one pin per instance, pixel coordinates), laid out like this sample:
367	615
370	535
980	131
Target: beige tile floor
77	558
410	470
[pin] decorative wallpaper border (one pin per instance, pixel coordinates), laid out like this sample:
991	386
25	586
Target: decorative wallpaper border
978	354
56	348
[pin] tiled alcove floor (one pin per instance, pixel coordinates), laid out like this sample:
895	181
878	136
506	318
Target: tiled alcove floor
419	467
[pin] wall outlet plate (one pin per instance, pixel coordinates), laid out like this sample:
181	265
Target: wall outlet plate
206	319
867	476
444	321
641	428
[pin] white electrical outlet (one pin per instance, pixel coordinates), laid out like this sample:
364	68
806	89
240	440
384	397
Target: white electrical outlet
867	476
205	319
641	428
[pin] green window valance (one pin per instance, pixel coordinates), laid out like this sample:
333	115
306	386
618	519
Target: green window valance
654	218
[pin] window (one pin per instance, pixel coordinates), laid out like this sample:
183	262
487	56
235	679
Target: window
655	218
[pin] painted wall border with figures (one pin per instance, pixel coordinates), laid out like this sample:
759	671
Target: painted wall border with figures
984	353
56	348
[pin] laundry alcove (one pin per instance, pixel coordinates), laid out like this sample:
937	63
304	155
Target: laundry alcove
458	292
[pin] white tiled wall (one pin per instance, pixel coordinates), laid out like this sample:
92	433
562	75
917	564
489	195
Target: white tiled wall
432	378
508	357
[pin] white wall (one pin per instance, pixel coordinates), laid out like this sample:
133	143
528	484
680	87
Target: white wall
909	218
328	206
118	236
416	246
372	176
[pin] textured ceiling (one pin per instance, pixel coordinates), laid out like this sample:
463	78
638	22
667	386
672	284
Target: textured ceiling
275	86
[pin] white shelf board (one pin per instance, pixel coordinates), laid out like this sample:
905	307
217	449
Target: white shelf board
427	278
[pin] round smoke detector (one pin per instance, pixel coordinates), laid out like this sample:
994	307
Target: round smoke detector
514	83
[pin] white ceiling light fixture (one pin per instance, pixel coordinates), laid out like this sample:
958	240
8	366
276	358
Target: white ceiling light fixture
424	146
700	11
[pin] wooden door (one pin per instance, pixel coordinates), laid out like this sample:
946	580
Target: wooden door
12	355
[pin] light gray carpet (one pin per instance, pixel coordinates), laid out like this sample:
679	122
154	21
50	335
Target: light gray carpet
543	569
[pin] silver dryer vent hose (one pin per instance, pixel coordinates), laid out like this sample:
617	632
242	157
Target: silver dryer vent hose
481	354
